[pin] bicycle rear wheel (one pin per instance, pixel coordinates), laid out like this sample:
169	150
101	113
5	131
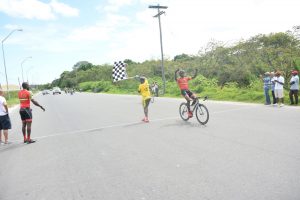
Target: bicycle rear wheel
183	112
202	114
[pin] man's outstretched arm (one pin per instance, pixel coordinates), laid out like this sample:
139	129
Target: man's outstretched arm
37	104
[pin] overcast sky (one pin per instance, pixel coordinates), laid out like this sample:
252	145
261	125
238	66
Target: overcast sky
59	33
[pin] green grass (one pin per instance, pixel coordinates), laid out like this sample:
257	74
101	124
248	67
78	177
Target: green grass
202	86
11	98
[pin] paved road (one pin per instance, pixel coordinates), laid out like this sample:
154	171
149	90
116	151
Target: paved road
93	146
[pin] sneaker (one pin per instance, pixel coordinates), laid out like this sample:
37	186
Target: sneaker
7	142
30	141
145	119
281	105
190	114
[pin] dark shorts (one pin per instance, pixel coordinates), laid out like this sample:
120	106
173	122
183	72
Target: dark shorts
5	122
26	114
187	92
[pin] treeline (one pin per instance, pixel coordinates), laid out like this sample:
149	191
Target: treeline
219	64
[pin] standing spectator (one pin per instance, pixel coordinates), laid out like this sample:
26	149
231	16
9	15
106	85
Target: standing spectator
156	89
272	76
146	96
25	97
294	89
267	84
4	118
279	82
152	88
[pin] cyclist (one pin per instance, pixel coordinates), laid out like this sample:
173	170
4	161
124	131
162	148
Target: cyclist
146	96
183	85
25	96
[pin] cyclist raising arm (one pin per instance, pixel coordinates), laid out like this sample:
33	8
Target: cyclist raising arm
183	85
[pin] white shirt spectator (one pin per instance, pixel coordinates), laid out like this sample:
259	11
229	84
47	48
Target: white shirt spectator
278	86
2	109
295	79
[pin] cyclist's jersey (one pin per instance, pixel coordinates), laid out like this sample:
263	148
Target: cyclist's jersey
183	83
25	97
144	90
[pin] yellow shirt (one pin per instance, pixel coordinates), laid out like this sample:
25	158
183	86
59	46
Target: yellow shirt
144	90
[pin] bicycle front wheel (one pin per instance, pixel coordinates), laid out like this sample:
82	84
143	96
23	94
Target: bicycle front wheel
183	111
202	114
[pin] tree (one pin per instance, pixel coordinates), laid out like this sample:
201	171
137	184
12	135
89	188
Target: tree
82	65
182	57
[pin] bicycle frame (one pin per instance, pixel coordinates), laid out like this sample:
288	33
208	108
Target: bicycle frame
197	103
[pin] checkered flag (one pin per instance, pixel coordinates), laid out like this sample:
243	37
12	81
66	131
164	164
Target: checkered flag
119	71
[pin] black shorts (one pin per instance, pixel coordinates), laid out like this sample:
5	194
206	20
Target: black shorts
5	122
26	114
187	92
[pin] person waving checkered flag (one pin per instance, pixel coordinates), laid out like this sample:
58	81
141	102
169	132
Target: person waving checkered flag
119	71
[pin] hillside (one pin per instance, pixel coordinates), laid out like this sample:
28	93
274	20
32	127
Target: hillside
238	66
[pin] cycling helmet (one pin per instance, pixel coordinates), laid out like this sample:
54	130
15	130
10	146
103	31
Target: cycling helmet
181	72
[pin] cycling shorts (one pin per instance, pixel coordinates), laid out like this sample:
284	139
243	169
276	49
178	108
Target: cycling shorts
26	114
187	92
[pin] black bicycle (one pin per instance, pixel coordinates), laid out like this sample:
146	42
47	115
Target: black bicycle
198	108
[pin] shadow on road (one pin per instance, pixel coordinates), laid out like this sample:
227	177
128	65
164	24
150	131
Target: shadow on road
180	123
8	147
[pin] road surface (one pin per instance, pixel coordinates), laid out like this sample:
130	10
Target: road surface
94	146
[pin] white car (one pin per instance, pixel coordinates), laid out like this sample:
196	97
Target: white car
56	90
45	92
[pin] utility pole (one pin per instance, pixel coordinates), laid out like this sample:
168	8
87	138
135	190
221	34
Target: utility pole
22	66
159	13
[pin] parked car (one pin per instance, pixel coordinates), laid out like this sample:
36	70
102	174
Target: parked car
56	90
45	92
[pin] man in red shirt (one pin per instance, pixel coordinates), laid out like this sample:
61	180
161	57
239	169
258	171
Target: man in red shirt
25	97
183	84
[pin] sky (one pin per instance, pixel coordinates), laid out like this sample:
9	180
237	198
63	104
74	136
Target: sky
59	33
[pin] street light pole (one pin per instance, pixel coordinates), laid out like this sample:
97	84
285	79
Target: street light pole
159	13
27	73
4	57
22	67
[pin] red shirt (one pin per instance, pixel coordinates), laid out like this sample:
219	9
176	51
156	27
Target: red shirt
183	83
24	97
